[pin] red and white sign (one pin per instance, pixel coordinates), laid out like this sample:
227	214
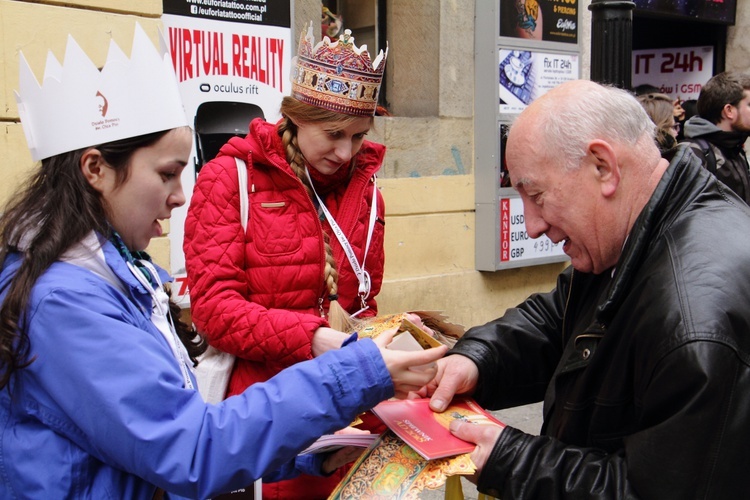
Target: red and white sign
220	57
679	72
515	243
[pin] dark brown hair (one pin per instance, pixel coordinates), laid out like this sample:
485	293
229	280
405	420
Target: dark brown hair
55	209
724	88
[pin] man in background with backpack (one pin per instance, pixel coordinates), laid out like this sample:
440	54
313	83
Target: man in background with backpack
719	131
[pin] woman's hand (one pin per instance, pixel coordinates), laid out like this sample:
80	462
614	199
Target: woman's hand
417	320
410	370
343	455
326	339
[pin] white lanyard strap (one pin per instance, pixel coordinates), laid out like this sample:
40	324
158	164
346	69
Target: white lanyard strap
362	275
162	318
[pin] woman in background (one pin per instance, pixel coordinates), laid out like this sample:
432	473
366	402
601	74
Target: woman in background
660	108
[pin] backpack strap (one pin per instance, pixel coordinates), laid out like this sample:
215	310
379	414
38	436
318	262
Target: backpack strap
242	178
709	157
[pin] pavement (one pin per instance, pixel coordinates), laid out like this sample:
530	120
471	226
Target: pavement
526	418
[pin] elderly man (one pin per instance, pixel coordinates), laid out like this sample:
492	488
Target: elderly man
642	351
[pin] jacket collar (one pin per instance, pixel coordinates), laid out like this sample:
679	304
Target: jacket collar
683	180
100	256
697	127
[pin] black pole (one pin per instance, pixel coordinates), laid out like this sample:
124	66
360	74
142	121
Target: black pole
612	42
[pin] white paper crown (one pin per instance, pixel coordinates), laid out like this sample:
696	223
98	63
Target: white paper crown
78	106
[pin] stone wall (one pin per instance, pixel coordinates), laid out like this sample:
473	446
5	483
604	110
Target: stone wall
738	43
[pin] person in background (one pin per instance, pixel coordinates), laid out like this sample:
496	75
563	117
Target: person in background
97	394
659	108
718	134
678	111
645	88
641	353
310	263
690	108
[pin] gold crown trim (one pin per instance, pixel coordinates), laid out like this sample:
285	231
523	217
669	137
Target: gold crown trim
338	76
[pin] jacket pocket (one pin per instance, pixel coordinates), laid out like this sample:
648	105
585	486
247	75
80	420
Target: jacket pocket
275	227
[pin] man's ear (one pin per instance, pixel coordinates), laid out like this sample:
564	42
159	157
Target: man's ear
94	168
729	112
607	166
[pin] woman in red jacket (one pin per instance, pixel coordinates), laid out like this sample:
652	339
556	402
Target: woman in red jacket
282	291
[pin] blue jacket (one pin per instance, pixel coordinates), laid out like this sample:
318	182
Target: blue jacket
102	411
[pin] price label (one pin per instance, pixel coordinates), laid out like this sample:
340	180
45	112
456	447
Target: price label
515	243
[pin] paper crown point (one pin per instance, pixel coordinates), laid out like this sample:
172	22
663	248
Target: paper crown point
338	76
78	106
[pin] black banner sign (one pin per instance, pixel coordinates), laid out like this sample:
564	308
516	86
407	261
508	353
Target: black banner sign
266	12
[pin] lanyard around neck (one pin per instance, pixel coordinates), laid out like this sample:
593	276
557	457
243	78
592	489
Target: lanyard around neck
359	270
161	317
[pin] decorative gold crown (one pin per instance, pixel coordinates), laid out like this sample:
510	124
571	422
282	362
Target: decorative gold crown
337	76
77	105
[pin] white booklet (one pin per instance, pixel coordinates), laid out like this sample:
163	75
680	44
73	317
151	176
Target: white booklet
332	442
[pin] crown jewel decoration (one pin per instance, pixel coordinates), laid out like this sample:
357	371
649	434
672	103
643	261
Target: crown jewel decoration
338	76
78	106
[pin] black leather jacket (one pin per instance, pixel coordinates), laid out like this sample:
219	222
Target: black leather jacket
645	373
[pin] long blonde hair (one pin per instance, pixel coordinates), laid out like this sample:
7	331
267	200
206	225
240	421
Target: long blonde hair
293	112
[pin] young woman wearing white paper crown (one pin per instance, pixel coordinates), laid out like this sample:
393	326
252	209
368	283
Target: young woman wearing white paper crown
283	290
97	396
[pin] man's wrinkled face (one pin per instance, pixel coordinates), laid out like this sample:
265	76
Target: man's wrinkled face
557	202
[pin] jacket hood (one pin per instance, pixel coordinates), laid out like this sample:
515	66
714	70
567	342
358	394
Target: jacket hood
262	141
10	266
699	127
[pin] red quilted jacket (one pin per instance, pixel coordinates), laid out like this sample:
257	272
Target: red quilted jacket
256	295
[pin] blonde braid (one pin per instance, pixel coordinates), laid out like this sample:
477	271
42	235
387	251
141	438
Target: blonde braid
338	318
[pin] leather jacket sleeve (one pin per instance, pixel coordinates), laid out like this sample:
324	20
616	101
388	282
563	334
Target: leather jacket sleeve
517	353
526	466
685	439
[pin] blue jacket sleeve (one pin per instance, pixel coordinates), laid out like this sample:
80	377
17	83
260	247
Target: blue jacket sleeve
105	379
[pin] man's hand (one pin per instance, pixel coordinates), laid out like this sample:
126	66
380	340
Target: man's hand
455	375
484	436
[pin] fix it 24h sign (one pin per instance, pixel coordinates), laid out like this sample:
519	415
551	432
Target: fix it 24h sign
677	72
